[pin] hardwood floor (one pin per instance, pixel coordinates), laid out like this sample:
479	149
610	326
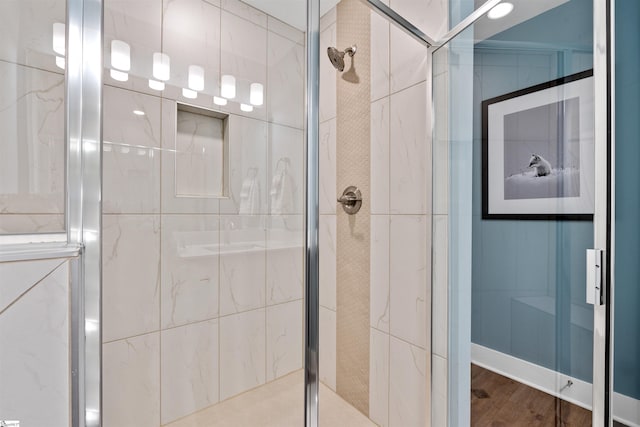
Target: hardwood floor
498	401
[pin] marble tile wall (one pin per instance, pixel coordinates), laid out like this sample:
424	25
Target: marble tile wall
32	153
401	211
35	336
400	241
202	295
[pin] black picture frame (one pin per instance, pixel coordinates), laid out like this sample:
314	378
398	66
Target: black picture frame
558	94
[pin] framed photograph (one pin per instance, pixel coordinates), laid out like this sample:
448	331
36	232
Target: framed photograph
538	152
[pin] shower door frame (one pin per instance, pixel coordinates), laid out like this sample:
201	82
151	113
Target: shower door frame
604	214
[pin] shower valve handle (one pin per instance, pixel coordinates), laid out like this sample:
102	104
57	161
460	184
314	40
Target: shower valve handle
351	200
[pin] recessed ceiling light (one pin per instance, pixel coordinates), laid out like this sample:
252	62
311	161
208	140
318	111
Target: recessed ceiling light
500	10
138	112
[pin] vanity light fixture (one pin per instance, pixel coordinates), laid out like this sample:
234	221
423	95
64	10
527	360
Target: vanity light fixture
118	75
256	95
156	85
500	10
246	108
219	101
161	66
196	77
228	86
120	55
188	93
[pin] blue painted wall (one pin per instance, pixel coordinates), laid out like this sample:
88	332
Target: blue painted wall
627	239
528	297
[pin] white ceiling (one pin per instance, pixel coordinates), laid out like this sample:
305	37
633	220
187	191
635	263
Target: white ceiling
293	12
523	11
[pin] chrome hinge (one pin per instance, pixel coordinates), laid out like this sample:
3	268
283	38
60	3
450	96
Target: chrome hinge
595	276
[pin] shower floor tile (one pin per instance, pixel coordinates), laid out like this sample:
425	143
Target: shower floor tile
276	404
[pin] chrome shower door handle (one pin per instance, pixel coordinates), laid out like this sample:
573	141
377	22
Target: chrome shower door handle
351	200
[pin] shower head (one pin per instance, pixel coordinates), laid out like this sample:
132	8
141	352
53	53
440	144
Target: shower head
337	56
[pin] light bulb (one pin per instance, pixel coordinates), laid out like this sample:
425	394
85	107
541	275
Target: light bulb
156	85
500	10
161	66
228	86
120	55
119	75
59	38
188	93
219	101
196	77
256	95
246	108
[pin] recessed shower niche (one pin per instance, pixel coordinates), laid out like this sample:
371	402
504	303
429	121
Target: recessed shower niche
202	147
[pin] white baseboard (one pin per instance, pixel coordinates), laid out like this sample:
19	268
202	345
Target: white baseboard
627	409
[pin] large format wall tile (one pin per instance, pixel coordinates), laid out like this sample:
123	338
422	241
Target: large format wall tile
328	268
285	97
32	153
380	146
139	24
19	277
379	378
191	36
131	275
242	9
408	60
440	316
243	55
285	30
284	339
431	16
190	268
407	384
328	346
189	369
328	86
26	32
285	264
380	272
409	271
380	40
242	352
410	155
34	223
285	189
130	382
248	148
242	263
131	159
327	167
35	349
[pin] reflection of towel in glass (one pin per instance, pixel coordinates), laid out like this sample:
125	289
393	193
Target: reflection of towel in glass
283	189
250	193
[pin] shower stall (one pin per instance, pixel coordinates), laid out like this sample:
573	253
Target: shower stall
230	213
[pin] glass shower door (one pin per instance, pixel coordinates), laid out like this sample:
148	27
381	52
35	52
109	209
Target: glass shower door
514	198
